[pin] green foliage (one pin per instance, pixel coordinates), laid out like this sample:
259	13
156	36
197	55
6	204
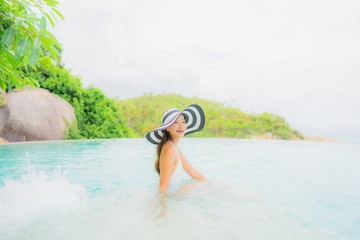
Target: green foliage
275	125
144	114
2	98
24	38
73	131
97	116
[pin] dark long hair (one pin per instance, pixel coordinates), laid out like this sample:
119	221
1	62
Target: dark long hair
166	137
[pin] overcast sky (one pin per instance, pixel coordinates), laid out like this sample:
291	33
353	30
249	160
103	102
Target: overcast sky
297	59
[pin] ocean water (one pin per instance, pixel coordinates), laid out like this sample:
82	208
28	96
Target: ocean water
338	135
107	189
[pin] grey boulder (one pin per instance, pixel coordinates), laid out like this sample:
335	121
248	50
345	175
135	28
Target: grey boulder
34	114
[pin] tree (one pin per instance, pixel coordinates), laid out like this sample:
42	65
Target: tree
24	38
97	115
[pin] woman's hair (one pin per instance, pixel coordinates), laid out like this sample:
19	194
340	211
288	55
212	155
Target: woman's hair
164	139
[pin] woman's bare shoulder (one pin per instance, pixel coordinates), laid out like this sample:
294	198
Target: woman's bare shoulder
168	148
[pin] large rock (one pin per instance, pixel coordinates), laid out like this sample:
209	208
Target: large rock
34	114
2	141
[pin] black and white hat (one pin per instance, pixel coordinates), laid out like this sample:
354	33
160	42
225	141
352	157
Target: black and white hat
194	117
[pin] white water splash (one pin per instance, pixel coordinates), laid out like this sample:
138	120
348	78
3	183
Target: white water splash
36	196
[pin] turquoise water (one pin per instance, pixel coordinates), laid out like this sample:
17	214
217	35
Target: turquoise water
107	190
339	135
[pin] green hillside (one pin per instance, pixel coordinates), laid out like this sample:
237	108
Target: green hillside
144	113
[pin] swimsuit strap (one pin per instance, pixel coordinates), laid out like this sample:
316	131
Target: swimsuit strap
177	149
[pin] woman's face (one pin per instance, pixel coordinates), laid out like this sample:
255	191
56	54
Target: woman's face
178	128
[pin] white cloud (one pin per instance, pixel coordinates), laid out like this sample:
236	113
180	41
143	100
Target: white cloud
297	59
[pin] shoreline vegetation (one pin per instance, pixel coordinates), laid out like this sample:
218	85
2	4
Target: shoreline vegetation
31	56
221	121
99	117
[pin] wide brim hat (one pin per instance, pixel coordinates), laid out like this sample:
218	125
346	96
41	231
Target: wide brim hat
194	118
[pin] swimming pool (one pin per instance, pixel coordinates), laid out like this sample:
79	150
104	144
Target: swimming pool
106	189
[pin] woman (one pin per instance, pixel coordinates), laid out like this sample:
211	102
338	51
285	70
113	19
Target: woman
170	161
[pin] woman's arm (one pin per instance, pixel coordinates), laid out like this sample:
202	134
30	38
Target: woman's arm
166	166
190	169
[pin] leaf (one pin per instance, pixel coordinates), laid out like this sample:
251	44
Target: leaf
17	84
37	43
30	81
53	15
51	36
51	3
50	19
50	39
54	52
43	23
10	57
21	22
34	56
8	36
58	13
10	84
18	21
2	84
22	47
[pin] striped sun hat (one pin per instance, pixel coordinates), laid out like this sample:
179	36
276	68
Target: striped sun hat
194	117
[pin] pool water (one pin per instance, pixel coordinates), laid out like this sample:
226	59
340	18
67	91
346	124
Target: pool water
107	189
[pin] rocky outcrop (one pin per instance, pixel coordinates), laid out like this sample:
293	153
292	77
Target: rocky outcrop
34	114
319	139
2	141
267	135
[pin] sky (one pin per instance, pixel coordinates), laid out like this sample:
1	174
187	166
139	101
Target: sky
296	59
